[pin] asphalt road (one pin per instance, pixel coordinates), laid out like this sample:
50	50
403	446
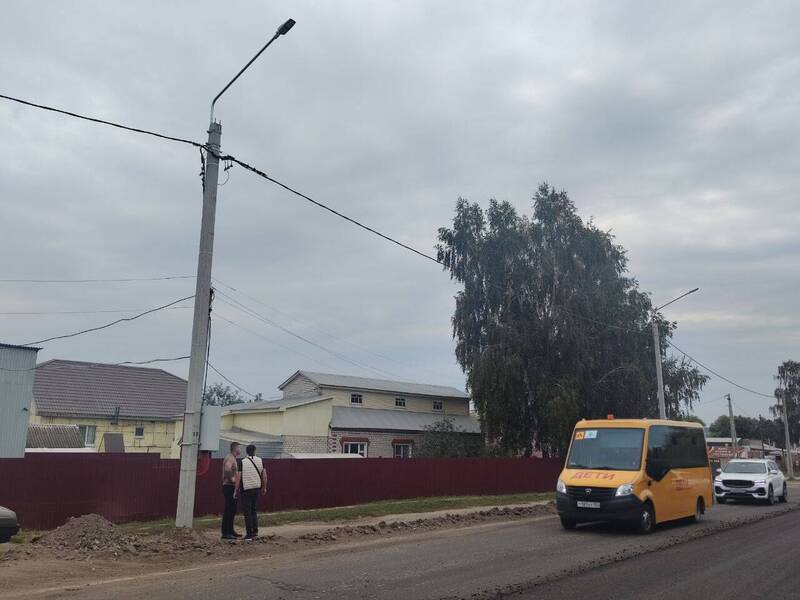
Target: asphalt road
530	557
756	561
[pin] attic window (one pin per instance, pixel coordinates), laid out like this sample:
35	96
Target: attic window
438	405
400	402
356	399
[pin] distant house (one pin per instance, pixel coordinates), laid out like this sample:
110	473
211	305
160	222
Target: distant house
55	438
323	413
115	408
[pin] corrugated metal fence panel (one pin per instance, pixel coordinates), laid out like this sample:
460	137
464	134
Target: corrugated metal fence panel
46	489
16	393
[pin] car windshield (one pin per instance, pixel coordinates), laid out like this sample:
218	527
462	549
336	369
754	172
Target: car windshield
611	448
745	467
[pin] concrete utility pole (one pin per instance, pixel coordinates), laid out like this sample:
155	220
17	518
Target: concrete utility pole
184	514
662	407
733	425
789	462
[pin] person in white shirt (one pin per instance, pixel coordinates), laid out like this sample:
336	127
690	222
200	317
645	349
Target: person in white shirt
253	480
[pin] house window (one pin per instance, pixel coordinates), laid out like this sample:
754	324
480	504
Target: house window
355	448
88	433
138	432
438	405
402	450
356	399
400	402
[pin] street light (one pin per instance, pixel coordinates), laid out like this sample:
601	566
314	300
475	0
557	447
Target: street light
184	514
662	407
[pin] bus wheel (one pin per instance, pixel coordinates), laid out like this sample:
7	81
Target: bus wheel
647	518
568	524
699	511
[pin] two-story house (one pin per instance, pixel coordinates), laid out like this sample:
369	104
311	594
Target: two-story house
327	413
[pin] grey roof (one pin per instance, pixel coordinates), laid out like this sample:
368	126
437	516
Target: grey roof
346	417
54	436
80	389
279	404
378	385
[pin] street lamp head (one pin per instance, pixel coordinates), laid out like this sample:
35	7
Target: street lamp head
284	29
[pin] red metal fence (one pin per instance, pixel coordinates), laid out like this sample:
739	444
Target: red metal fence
46	489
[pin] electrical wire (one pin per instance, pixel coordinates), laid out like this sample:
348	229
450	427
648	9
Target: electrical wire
118	364
709	370
318	328
323	206
78	312
147	312
236	385
233	302
126	280
103	121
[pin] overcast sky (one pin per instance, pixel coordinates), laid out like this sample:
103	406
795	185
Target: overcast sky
676	125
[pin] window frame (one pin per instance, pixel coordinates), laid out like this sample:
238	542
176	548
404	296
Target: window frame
359	445
353	396
84	430
441	406
399	445
136	433
400	402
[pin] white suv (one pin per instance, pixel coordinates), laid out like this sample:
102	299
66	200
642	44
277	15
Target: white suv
755	479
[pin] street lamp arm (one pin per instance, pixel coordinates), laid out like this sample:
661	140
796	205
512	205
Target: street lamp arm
282	30
676	299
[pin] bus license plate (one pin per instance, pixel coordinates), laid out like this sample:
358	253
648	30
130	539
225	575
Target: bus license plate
584	504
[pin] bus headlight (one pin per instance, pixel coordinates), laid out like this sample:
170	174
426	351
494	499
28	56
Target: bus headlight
561	487
626	489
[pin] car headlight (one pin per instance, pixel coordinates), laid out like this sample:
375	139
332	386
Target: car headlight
717	479
561	487
760	481
626	489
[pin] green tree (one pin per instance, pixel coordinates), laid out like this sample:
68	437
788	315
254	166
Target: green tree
531	324
788	394
444	440
770	430
222	395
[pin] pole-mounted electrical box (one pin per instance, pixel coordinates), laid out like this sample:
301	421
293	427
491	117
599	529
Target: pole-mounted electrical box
210	422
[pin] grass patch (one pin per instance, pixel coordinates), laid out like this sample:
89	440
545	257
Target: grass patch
347	513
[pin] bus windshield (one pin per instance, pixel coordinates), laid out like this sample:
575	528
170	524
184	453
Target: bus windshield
608	448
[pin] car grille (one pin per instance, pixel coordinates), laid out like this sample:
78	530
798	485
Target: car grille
596	494
739	483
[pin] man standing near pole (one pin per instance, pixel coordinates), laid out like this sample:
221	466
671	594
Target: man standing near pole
231	476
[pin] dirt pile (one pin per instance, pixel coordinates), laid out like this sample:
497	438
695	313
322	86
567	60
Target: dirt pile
88	534
448	520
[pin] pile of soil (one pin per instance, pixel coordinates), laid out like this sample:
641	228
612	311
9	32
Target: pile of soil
88	534
93	536
448	520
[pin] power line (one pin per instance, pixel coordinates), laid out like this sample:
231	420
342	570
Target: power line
247	310
103	121
78	312
317	327
119	364
263	337
151	361
125	280
147	312
355	222
237	386
733	383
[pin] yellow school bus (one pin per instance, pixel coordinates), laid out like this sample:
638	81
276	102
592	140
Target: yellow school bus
645	471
